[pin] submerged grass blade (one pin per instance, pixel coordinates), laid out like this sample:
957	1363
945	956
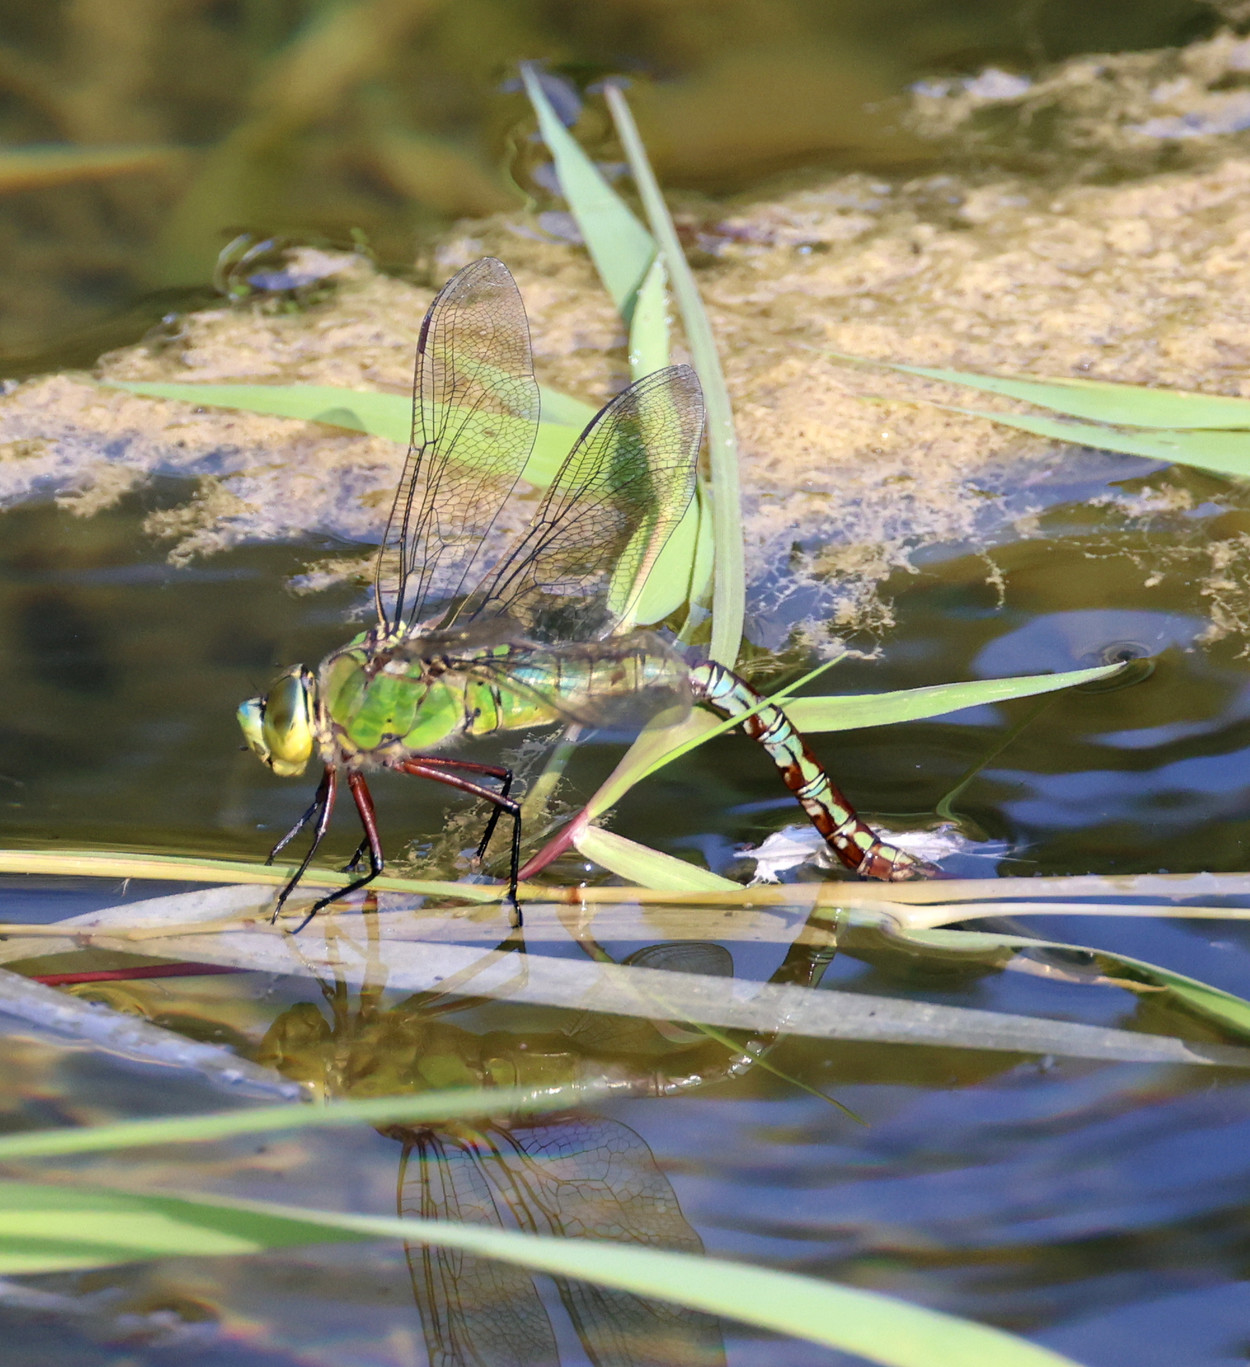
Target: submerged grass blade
1224	1009
45	1227
697	999
378	415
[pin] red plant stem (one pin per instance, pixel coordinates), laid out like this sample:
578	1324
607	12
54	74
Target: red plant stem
118	975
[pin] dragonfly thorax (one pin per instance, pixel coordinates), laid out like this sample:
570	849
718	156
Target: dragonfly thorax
381	704
279	726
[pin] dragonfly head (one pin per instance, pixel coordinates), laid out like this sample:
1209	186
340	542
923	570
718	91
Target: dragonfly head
278	726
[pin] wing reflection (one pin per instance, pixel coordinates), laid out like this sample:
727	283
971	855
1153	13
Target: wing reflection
571	1175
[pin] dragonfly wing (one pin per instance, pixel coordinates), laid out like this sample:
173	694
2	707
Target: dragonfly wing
595	1178
474	418
473	1309
625	485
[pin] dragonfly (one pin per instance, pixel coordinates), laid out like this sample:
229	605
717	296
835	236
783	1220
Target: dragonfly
471	643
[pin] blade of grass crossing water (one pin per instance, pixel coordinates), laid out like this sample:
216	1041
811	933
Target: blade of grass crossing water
46	1227
830	713
644	866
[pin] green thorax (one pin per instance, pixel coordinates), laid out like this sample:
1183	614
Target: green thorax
385	695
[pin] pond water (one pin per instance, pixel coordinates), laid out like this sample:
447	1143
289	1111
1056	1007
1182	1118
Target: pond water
1095	1208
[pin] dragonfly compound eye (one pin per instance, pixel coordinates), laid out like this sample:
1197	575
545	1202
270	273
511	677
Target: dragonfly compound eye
278	727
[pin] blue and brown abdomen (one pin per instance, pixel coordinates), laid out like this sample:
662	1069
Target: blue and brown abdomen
855	843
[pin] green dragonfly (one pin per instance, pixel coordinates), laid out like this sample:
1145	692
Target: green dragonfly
468	644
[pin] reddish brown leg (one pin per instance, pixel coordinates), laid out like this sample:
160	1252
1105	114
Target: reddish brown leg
488	771
323	807
438	769
469	766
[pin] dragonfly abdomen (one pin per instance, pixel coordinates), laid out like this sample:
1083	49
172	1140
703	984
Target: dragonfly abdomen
625	679
855	843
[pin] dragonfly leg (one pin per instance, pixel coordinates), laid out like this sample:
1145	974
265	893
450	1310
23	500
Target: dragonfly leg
354	862
323	806
488	771
438	770
363	799
314	807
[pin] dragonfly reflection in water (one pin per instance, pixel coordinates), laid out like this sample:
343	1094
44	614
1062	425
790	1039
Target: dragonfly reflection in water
532	638
575	1174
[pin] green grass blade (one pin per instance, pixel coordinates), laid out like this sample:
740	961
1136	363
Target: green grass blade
379	415
45	1227
1224	453
646	867
846	713
621	248
673	578
563	410
729	597
124	864
428	1108
1099	400
648	328
659	746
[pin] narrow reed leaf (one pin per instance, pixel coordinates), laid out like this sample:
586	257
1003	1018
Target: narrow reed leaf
644	866
1225	1009
729	595
846	713
648	328
675	576
1224	453
378	415
697	998
123	864
426	1109
45	1228
619	245
661	745
1098	400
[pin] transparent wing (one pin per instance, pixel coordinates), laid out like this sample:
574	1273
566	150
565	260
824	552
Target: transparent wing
590	1177
621	490
473	1309
474	417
